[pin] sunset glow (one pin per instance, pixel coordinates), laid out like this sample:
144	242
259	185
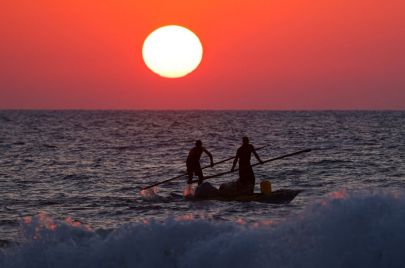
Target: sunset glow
273	54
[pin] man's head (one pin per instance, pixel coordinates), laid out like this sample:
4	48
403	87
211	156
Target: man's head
245	140
198	143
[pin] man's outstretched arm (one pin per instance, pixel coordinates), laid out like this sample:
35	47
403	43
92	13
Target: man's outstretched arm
210	155
235	161
257	156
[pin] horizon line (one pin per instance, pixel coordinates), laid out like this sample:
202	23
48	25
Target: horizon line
206	110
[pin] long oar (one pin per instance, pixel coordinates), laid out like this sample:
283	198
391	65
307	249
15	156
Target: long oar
184	174
266	161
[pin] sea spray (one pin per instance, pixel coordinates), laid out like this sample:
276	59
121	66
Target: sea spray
343	230
188	191
150	194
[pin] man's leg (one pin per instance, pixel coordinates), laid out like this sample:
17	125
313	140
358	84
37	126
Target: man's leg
200	176
190	176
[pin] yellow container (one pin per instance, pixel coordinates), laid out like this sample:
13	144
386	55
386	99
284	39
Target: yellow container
265	187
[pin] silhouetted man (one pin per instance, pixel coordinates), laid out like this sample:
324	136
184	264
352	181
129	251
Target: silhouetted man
246	182
193	162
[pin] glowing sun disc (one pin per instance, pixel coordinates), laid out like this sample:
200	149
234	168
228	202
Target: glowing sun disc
172	51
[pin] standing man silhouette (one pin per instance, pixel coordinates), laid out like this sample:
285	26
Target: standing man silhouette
193	162
246	182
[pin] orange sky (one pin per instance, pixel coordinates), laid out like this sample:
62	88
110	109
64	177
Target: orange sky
261	54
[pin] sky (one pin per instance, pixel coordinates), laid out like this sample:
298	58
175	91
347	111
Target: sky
261	54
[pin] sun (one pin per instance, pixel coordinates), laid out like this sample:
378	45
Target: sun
172	51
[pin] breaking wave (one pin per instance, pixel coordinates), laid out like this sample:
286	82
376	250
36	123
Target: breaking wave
343	230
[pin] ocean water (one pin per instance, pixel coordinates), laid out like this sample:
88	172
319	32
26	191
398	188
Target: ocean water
70	190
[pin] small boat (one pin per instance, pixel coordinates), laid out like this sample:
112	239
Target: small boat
282	196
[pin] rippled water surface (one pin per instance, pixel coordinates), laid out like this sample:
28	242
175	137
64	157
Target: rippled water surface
90	166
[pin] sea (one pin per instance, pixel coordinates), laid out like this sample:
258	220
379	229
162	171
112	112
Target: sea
71	181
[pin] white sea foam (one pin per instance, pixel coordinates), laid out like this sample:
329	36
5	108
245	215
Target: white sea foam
343	230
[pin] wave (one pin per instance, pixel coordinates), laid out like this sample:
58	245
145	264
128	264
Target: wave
343	230
5	118
331	162
76	177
